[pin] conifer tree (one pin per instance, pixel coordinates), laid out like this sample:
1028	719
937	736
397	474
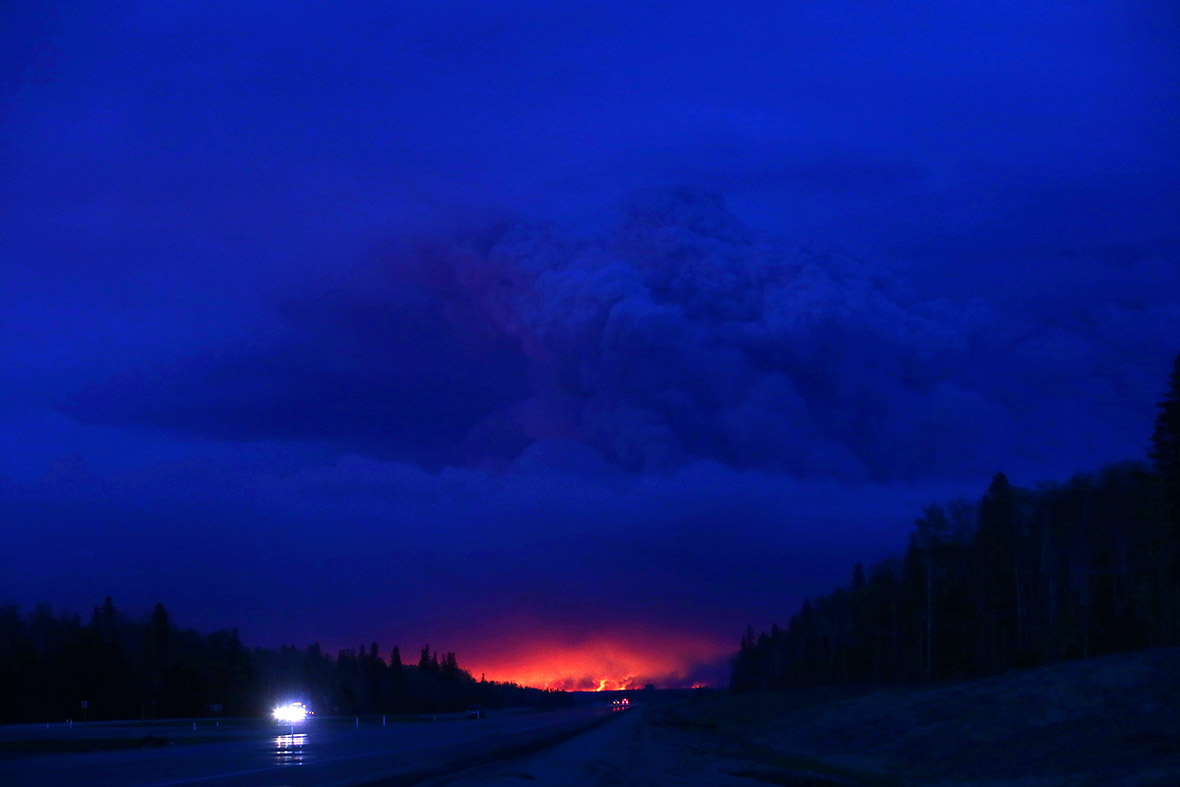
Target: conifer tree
397	677
156	642
995	546
450	666
1165	442
1165	454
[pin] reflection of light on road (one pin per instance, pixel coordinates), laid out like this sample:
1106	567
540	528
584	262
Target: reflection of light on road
289	749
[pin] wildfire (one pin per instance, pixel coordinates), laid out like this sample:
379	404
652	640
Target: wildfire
602	663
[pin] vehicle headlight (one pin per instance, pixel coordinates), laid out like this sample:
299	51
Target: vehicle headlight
290	713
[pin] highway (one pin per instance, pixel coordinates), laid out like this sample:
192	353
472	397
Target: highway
320	751
629	751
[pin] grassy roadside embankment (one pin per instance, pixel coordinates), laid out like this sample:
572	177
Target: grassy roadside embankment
1112	720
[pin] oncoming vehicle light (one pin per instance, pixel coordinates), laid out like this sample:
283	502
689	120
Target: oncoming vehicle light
290	713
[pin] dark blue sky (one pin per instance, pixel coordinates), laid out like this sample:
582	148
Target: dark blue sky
597	325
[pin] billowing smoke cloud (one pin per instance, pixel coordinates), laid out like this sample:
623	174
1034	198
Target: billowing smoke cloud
679	334
682	334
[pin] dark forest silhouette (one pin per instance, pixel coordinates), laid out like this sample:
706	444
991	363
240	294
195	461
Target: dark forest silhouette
127	669
1021	578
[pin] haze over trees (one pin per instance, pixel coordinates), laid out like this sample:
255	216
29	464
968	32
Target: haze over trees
129	669
1021	578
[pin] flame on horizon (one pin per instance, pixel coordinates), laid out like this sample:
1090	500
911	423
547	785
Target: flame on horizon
615	663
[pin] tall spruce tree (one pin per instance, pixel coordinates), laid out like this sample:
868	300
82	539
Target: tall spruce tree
995	552
1165	454
1165	442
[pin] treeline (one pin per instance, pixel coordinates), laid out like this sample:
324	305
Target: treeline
129	669
361	681
1020	578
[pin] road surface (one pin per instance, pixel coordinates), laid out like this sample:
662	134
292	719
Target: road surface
319	752
629	751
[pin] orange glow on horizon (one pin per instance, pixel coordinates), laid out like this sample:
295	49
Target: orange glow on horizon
612	662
